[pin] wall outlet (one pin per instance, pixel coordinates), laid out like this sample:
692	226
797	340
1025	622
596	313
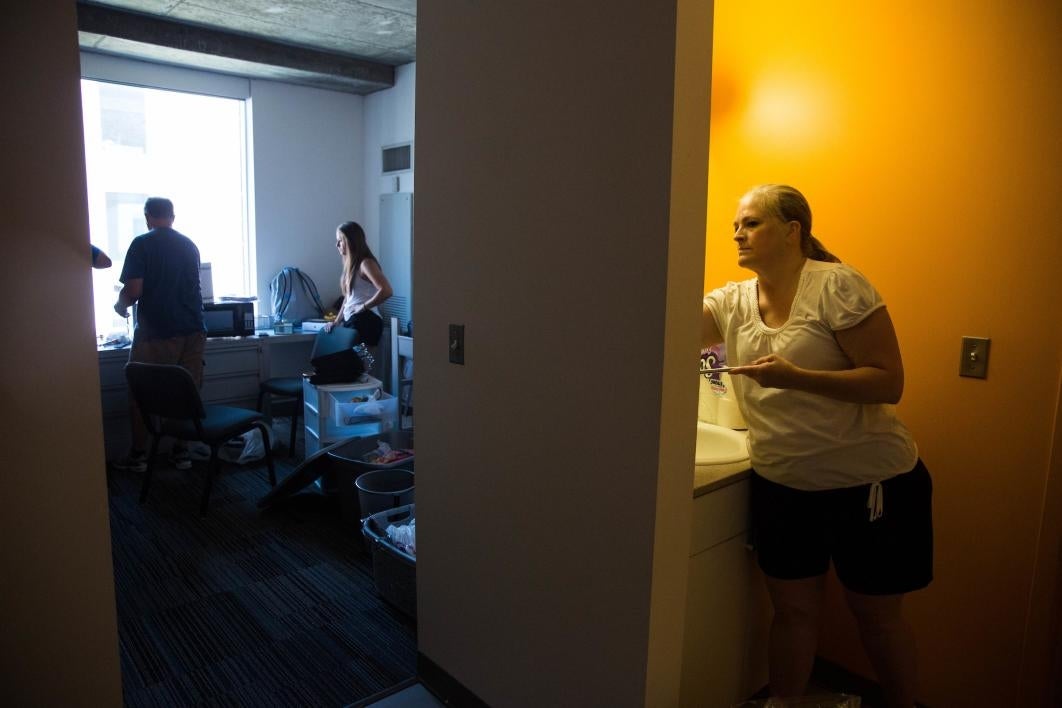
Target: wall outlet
974	359
457	344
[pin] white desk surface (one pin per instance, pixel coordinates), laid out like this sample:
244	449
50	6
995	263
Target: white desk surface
260	335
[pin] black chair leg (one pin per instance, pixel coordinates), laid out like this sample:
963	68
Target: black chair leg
269	454
150	468
212	469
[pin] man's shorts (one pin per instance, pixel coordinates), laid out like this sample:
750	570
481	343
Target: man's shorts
798	533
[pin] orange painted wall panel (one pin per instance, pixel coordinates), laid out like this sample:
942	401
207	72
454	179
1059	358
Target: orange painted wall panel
927	138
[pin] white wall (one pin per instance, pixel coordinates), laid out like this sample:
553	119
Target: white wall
307	180
58	632
388	121
556	466
306	163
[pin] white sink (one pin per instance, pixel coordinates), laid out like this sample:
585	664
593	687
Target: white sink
717	445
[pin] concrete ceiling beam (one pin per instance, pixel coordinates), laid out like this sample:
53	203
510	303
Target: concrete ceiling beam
153	30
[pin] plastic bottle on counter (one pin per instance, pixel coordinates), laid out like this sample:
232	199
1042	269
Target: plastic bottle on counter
726	412
707	402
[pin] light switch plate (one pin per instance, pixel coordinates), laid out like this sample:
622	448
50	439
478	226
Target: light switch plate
457	344
974	359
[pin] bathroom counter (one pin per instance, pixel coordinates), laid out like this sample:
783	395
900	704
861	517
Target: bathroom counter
708	478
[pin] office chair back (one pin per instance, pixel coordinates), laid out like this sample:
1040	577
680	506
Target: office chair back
165	391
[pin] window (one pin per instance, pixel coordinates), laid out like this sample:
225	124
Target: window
189	148
121	116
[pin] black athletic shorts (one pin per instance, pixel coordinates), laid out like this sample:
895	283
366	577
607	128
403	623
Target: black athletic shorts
369	326
798	533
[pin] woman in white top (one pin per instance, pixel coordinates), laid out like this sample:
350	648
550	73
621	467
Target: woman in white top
836	474
363	284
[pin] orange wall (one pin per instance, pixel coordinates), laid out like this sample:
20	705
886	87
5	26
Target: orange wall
926	137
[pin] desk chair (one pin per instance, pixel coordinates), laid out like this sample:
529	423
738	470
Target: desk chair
286	387
169	401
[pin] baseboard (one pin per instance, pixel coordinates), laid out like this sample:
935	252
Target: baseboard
444	686
377	697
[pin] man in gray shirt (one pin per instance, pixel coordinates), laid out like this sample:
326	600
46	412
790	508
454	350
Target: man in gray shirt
161	277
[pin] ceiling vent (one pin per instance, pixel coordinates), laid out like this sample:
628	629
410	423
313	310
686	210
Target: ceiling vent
397	158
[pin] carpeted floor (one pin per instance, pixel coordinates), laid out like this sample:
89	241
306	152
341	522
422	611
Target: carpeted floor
243	608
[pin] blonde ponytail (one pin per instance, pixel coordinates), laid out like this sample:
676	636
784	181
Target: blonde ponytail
788	204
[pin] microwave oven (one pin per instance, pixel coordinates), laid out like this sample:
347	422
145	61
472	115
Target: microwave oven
228	319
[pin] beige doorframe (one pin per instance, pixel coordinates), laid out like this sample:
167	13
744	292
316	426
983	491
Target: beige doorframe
1040	677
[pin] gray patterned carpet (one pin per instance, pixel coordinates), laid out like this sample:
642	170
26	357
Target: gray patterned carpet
244	608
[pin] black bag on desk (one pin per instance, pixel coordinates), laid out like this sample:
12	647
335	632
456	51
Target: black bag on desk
334	359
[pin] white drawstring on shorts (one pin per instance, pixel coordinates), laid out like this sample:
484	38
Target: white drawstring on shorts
876	501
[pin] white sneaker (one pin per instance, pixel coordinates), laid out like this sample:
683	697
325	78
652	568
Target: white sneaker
181	460
135	461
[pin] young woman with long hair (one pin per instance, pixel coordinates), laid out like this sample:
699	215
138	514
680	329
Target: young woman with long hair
363	284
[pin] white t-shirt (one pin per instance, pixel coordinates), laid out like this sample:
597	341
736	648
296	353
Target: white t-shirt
804	440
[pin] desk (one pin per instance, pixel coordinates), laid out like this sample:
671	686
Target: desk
283	354
233	368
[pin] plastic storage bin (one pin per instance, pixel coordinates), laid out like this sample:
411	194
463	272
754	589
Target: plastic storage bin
375	411
394	570
319	412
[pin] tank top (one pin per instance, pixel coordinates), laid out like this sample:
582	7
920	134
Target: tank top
362	292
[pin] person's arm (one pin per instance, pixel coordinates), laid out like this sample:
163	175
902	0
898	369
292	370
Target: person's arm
710	334
339	316
374	274
876	375
128	295
100	259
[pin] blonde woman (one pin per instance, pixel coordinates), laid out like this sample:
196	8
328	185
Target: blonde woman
836	475
363	284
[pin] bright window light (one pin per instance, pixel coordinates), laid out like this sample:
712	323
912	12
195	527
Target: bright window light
189	148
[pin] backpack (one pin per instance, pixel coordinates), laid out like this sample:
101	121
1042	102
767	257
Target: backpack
294	296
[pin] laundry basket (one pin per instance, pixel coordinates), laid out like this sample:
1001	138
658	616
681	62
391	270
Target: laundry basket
394	569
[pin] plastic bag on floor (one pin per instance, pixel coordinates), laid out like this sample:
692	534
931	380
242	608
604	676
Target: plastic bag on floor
253	447
277	431
241	449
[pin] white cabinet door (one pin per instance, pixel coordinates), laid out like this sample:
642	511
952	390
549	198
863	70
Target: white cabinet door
717	624
719	515
727	609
